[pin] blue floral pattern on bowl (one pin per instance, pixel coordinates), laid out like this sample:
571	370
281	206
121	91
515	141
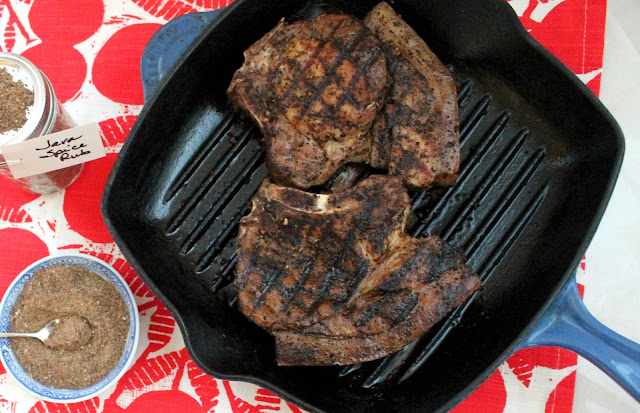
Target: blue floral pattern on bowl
13	293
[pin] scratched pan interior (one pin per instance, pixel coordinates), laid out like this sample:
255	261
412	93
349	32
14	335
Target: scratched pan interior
540	156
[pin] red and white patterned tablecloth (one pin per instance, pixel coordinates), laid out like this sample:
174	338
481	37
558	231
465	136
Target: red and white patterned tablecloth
91	50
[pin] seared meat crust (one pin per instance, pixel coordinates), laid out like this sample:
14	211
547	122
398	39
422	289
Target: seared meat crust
314	88
334	277
301	256
418	133
333	90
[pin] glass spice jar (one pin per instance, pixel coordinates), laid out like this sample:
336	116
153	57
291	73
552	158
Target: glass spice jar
44	117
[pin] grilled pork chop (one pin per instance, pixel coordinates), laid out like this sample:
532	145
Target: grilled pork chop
335	278
416	136
328	91
314	88
301	255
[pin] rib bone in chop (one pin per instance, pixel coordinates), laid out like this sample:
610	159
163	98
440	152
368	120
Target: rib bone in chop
335	278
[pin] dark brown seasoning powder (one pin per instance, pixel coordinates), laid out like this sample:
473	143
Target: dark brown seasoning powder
70	333
15	101
81	299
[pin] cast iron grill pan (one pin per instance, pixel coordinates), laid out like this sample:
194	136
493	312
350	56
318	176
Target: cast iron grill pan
539	158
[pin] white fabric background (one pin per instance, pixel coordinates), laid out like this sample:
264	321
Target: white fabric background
613	259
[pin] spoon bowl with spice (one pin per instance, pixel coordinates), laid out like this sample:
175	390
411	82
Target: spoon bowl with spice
68	332
87	327
41	335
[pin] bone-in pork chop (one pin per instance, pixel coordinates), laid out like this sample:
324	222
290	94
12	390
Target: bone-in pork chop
314	88
417	135
333	90
335	278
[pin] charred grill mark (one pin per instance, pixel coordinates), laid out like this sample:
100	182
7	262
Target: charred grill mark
346	94
504	245
273	276
335	274
289	295
362	266
330	73
376	307
302	70
400	313
394	308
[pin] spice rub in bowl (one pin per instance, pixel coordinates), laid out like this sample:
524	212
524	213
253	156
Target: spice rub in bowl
89	339
92	344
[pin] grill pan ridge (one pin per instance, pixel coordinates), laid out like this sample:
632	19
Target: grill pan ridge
521	209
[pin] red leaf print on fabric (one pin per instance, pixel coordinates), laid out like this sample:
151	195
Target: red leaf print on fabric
265	401
569	32
490	397
73	24
558	402
22	248
269	401
205	386
161	326
116	69
162	373
137	286
116	130
62	22
13	199
10	27
293	408
163	402
87	189
7	406
524	361
88	406
171	9
156	385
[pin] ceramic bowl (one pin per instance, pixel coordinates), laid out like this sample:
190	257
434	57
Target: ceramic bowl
11	296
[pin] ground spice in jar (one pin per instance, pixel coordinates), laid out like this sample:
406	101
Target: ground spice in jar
45	116
15	101
88	341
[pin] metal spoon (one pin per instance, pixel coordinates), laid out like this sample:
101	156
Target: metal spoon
41	335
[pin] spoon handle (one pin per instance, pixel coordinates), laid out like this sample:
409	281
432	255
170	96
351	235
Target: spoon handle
17	335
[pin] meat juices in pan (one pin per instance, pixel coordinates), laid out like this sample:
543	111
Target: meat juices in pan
333	90
335	278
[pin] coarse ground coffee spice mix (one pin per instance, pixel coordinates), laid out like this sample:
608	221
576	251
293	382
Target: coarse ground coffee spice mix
90	338
15	101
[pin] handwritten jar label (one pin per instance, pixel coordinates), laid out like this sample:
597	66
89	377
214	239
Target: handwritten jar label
55	151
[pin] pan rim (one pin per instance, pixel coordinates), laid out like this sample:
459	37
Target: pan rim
534	47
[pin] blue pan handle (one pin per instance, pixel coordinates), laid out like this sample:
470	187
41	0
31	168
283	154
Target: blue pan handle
568	324
168	44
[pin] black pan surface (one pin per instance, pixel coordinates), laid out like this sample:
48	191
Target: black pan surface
540	158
